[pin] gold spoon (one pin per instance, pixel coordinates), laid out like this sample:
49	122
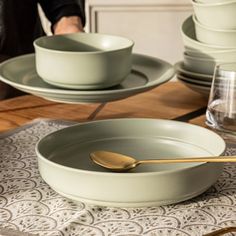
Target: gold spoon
119	162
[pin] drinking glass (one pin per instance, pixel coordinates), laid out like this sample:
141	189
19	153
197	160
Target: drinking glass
221	110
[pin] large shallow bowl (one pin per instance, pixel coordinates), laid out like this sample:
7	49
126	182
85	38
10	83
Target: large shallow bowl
190	41
219	15
214	36
64	161
83	60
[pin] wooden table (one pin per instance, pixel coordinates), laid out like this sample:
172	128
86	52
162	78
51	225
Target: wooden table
168	101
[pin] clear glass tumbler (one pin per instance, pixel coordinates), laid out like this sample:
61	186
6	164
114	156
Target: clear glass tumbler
221	110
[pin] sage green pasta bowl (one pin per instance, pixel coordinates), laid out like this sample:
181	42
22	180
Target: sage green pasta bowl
83	60
64	161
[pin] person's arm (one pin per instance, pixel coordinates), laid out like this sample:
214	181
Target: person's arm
66	16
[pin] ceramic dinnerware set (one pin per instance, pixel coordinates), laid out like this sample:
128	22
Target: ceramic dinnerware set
83	61
107	61
79	68
209	37
85	68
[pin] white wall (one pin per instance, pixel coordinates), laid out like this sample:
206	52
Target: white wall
154	25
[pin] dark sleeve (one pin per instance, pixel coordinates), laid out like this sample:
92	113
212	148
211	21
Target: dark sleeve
55	9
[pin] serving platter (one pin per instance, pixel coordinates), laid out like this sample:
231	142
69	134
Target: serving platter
64	161
147	73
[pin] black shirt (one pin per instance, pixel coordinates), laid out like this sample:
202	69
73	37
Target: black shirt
20	23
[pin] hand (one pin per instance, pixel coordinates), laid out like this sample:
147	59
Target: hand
69	24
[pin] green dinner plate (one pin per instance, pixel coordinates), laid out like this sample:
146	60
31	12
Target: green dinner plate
147	73
197	87
179	66
64	161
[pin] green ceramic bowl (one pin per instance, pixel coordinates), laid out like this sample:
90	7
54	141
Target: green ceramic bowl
218	15
83	60
64	161
214	36
191	42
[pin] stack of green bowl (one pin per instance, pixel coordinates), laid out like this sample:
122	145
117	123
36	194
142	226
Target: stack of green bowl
209	37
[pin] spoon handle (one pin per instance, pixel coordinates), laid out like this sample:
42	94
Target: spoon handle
195	159
221	231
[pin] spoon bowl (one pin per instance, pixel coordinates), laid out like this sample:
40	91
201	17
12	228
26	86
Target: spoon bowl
114	161
120	163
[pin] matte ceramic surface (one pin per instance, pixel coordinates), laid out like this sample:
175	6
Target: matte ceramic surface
64	161
190	41
212	1
180	68
216	15
147	72
83	60
200	65
215	36
224	55
202	89
194	81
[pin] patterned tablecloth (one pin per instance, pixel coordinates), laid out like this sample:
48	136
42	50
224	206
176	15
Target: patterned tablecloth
28	204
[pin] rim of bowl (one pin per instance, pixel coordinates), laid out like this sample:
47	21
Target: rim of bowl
226	63
207	2
215	47
204	59
49	162
202	4
196	22
130	43
187	49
